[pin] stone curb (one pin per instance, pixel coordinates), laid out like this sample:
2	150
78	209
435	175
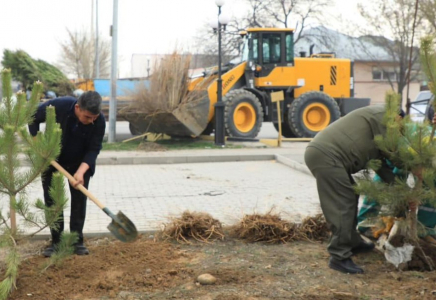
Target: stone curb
182	159
293	164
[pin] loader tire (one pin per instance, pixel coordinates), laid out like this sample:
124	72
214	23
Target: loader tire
312	112
286	128
243	114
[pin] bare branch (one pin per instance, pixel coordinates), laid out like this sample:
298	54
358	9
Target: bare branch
394	19
78	55
267	13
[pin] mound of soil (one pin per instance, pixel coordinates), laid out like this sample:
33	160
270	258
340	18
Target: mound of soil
147	269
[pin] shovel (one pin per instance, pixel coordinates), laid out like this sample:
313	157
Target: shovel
121	227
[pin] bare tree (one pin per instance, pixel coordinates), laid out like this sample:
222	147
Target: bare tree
295	13
427	9
394	19
265	13
256	15
206	44
78	55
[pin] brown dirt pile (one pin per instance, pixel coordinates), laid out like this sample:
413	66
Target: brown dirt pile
111	267
160	270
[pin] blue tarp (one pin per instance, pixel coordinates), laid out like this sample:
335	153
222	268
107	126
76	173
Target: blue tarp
124	86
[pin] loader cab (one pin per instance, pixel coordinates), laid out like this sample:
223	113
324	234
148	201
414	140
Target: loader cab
266	49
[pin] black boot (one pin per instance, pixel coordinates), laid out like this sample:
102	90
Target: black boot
363	247
80	249
50	250
345	266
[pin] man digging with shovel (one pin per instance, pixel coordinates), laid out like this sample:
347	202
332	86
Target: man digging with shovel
83	128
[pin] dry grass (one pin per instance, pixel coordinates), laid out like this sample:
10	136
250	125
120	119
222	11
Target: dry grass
193	225
169	87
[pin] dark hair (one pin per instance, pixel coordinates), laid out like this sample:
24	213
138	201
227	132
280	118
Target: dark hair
401	113
90	101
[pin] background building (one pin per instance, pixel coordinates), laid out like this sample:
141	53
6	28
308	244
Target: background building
375	69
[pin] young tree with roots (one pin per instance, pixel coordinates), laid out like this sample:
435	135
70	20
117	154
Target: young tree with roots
410	147
22	159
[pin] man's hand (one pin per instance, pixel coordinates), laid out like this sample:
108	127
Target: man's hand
434	119
79	179
79	175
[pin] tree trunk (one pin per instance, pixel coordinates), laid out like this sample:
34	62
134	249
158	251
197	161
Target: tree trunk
412	221
13	215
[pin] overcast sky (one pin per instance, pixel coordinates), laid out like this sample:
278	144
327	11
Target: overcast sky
145	26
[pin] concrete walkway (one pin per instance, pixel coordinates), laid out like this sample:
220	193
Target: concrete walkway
152	187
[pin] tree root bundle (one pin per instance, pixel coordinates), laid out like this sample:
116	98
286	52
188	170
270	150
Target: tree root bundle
269	228
314	228
193	225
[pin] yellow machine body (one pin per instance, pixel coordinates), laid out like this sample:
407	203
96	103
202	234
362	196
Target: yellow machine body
308	74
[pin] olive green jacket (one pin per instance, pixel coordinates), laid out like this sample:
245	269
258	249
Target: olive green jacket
351	140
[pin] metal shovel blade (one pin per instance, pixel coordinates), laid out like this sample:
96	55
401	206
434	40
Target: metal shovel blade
122	228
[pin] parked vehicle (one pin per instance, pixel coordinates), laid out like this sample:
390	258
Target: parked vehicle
419	108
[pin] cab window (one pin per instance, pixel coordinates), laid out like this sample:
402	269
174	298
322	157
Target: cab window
271	48
289	47
255	52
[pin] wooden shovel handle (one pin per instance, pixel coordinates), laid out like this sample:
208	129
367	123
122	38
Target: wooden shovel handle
79	186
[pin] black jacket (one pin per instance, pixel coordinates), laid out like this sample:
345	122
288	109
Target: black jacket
80	143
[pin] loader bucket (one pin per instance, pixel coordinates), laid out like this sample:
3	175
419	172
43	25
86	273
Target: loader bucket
186	120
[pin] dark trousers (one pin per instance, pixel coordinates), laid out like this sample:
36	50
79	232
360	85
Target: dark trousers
338	200
78	204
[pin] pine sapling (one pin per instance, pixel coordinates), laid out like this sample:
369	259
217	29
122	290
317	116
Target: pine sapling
22	160
408	147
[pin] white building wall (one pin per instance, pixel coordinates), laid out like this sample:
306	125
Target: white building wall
142	64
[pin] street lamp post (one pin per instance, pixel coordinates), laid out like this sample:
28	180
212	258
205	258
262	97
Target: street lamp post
219	105
97	58
148	66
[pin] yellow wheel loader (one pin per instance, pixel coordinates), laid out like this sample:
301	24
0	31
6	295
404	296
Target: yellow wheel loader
318	90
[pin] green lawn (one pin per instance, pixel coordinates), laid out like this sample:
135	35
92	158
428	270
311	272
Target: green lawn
128	146
172	144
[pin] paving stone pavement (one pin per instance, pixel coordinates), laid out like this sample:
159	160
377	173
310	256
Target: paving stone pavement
150	194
